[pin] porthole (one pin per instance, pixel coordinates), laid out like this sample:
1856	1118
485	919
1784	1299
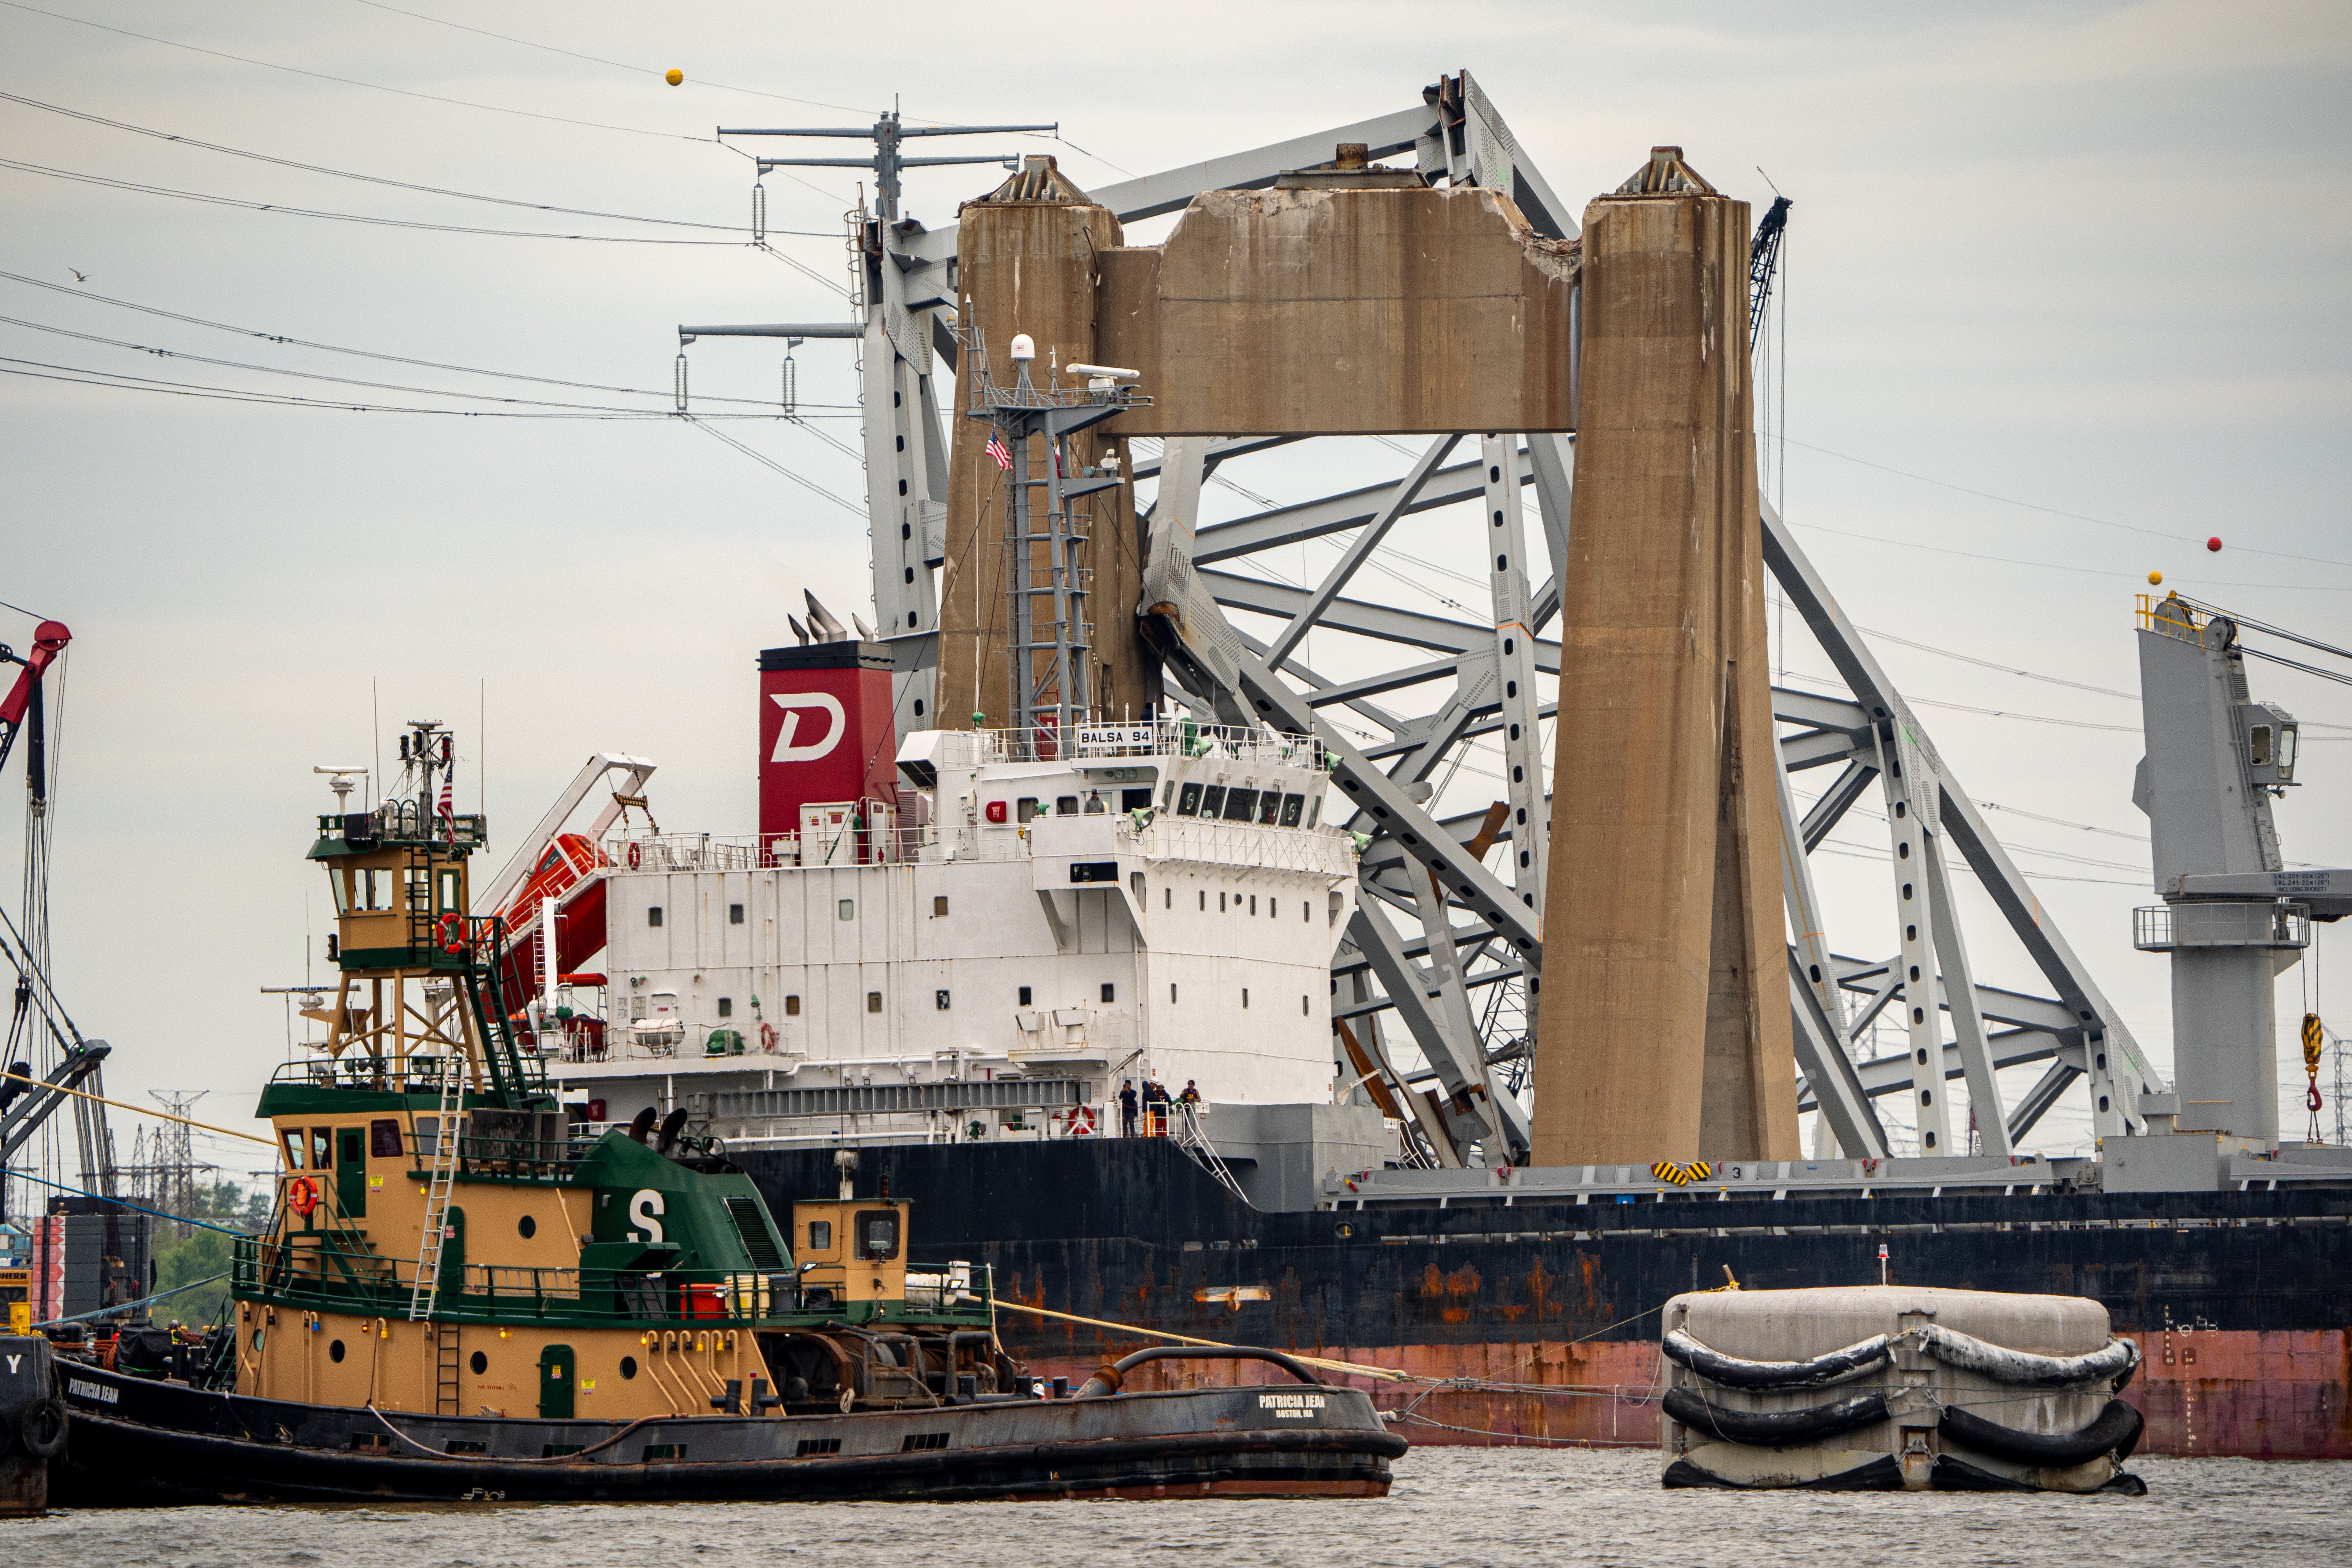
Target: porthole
628	1367
479	1362
335	1350
256	1338
527	1227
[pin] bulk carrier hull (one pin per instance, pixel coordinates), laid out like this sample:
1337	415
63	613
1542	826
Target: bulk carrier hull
2241	1302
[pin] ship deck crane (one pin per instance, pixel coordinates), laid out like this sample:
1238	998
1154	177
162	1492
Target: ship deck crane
25	1102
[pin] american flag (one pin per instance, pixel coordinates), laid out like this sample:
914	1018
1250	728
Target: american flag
1000	451
448	793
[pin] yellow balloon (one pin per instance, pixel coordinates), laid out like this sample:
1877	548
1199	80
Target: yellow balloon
673	76
2155	577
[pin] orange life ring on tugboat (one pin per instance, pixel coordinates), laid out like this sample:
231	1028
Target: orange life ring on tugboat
1082	1122
768	1038
453	933
633	854
302	1195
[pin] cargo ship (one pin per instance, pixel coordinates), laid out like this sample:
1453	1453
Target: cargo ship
957	970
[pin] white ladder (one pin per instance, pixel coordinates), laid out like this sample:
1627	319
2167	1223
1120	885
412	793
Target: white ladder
427	1290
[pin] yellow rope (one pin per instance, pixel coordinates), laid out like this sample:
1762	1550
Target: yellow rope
1359	1369
137	1109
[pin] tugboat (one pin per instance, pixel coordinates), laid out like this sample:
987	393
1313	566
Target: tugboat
466	1292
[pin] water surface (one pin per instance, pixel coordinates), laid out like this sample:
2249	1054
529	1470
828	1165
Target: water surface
1468	1506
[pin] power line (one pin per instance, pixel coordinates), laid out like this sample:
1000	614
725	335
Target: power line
2012	560
77	375
351	81
763	459
340	380
109	183
2061	822
601	60
366	353
2055	512
380	180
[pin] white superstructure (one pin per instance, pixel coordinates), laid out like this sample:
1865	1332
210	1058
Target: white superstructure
1161	901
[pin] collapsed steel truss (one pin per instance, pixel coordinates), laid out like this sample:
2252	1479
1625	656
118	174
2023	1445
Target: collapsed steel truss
1444	946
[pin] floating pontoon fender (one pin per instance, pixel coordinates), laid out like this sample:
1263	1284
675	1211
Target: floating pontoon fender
1733	1372
2117	1430
2117	1360
1882	1473
1775	1428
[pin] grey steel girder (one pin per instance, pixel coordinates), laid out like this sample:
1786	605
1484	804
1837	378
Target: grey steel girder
2119	1071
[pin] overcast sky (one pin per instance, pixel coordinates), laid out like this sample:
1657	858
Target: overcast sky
2085	257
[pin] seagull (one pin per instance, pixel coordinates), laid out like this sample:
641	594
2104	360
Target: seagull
79	276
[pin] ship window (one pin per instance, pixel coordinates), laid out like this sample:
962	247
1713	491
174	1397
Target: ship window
1270	808
873	1001
379	887
1167	793
449	898
792	1006
1066	806
1241	805
1109	991
1212	801
1135	799
292	1137
1166	897
1292	807
2258	745
1252	903
727	1006
848	909
1245	996
2287	747
1204	897
1221	903
1188	802
321	1148
526	1227
1304	1010
819	1235
734	914
1171	993
384	1138
335	1350
878	1234
628	1367
1025	996
653	914
939	999
341	882
479	1362
940	907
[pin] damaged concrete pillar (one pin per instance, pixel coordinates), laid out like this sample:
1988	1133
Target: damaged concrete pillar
1026	264
1664	1016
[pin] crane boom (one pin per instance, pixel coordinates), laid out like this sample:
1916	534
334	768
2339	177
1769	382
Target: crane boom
49	639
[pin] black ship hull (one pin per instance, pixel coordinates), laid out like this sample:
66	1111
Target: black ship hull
138	1443
1543	1312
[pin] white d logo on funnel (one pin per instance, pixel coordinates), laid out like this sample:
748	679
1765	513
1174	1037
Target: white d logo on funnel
789	701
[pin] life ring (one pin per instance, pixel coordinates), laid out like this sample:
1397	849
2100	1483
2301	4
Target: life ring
453	933
1082	1122
768	1037
633	854
302	1195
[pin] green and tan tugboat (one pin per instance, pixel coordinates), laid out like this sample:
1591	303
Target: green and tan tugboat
464	1294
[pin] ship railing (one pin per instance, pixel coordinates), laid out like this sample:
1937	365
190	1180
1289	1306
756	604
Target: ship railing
419	1074
334	1275
1093	737
1165	838
752	852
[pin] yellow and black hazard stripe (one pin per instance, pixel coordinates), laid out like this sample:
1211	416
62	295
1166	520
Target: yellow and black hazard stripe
1680	1173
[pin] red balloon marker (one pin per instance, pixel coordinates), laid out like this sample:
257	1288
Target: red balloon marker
2214	542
